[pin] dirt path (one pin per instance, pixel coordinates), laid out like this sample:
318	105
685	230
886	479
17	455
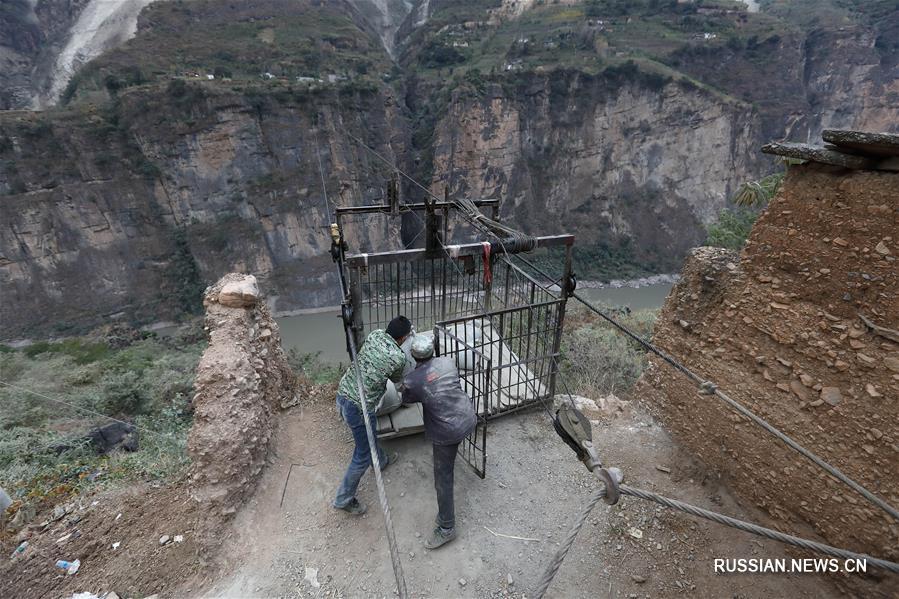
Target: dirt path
533	489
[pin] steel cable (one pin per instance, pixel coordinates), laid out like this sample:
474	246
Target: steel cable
396	563
711	389
559	557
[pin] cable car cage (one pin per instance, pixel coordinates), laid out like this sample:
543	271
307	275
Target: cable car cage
502	326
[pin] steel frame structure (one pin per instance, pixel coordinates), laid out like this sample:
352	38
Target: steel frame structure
502	326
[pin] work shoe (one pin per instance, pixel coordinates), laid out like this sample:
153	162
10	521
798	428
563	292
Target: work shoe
355	507
441	536
391	459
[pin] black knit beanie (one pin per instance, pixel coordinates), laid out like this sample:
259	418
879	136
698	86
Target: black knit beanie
399	327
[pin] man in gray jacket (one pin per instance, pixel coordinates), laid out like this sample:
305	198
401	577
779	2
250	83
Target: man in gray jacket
449	417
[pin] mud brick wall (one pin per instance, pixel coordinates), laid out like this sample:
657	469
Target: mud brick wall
778	328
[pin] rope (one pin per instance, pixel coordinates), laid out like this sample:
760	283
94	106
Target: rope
372	446
756	529
709	388
559	557
379	480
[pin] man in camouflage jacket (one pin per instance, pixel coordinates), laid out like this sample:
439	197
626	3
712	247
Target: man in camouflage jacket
380	358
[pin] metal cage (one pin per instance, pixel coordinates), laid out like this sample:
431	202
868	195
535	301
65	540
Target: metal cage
501	325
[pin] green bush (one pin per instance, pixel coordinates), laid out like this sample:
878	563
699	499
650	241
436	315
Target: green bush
732	228
598	360
149	383
310	366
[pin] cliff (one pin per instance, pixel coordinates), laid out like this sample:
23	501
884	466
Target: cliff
618	158
171	190
192	149
780	329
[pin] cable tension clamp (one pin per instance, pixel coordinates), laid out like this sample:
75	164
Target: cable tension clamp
575	429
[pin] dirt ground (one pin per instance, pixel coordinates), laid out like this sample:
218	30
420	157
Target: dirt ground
534	489
116	536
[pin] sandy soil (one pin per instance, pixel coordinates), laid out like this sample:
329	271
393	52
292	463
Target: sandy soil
534	488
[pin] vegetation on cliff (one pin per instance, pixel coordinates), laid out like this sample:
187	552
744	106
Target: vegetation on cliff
57	392
732	227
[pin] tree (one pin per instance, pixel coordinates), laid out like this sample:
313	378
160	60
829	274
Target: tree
733	225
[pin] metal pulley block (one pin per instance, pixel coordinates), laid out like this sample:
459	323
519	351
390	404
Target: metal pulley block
577	432
575	429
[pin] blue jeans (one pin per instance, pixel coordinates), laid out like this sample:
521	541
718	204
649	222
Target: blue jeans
361	459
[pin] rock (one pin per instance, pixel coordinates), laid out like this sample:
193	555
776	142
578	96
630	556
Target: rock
892	363
881	145
164	539
841	365
241	293
876	433
868	449
817	154
865	359
831	395
800	390
462	582
807	380
882	249
638	579
509	580
24	515
872	390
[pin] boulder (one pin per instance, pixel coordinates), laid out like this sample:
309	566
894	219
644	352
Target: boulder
242	292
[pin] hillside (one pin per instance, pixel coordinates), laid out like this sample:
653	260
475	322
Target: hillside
192	149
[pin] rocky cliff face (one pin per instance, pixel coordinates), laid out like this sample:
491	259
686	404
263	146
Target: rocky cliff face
613	160
32	36
154	181
173	192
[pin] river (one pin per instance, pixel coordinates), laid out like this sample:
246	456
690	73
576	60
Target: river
321	331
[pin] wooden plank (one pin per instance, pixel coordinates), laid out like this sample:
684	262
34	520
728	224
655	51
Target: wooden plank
818	154
878	145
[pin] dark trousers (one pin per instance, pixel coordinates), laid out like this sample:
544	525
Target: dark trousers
444	464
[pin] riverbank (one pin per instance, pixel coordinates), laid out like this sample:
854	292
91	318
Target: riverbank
660	279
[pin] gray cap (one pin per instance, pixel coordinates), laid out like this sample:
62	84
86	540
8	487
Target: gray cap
422	347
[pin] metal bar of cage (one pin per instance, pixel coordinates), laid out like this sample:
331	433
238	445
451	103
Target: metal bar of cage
476	382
